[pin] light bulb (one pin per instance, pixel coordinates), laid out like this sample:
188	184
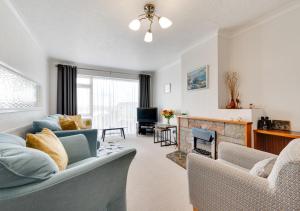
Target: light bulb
148	36
164	22
135	25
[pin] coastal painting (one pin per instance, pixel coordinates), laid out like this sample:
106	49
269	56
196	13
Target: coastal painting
198	79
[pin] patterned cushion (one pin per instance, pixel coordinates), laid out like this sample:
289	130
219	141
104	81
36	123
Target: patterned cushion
290	155
263	168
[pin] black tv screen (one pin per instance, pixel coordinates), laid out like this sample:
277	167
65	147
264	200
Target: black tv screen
147	115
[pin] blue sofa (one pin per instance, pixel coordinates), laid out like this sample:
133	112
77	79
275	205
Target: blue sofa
89	183
52	122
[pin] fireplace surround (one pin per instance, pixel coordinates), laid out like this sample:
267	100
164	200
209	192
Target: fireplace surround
234	131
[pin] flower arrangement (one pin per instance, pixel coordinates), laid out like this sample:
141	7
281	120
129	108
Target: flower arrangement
168	114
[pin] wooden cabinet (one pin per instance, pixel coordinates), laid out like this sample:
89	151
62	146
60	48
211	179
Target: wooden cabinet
273	141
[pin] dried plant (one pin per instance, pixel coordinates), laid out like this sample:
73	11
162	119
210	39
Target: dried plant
231	79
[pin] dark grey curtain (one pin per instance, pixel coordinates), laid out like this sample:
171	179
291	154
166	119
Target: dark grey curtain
66	89
144	91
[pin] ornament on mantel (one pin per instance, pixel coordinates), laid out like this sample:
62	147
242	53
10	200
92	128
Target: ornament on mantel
231	80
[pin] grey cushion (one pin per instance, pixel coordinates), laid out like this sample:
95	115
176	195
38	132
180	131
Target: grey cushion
49	122
20	165
8	138
263	168
77	147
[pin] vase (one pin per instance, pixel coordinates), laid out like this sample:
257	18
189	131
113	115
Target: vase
232	104
168	121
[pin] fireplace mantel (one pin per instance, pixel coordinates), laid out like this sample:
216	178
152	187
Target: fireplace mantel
235	131
239	122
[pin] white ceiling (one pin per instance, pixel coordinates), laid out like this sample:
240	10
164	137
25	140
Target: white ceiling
96	32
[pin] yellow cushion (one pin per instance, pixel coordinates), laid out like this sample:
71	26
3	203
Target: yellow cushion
47	142
78	120
67	123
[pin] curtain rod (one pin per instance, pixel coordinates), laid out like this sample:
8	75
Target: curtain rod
107	71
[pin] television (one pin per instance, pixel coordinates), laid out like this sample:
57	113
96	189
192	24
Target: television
147	115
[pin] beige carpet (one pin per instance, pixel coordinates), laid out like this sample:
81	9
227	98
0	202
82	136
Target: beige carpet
155	183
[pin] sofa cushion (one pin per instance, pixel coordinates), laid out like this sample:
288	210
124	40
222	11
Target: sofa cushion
78	120
20	165
47	142
12	139
50	123
67	123
55	116
263	168
77	147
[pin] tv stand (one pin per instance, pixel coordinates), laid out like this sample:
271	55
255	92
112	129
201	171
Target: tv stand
145	128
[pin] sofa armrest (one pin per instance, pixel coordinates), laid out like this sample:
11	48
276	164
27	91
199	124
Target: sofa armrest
90	134
77	147
240	155
215	186
98	184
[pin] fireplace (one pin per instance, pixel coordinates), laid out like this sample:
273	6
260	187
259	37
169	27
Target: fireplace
204	142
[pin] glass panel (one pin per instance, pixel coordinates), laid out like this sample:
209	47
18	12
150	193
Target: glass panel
83	80
114	103
16	91
83	100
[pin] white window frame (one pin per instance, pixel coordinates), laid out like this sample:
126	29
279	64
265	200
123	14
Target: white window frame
90	87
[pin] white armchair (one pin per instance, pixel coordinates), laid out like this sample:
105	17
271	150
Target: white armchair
225	184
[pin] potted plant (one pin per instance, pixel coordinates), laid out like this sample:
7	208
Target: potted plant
167	114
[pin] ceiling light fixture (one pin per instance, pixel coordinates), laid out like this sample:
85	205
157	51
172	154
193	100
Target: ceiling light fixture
149	14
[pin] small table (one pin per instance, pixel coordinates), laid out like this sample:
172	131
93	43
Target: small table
113	128
273	141
163	134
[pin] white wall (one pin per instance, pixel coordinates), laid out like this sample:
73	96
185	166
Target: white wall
201	102
267	56
19	50
168	74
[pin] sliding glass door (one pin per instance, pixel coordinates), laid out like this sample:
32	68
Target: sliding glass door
110	102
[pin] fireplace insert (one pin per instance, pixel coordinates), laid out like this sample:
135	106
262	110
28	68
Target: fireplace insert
204	142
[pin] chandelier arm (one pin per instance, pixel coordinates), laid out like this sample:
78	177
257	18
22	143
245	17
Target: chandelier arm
143	18
151	22
158	16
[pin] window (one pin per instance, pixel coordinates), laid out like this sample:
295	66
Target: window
84	91
16	91
111	102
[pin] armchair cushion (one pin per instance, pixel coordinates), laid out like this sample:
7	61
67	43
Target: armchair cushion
242	156
263	168
289	158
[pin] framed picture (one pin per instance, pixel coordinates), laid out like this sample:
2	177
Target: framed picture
198	79
167	88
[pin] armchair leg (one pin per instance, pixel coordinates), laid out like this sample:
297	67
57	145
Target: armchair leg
195	209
